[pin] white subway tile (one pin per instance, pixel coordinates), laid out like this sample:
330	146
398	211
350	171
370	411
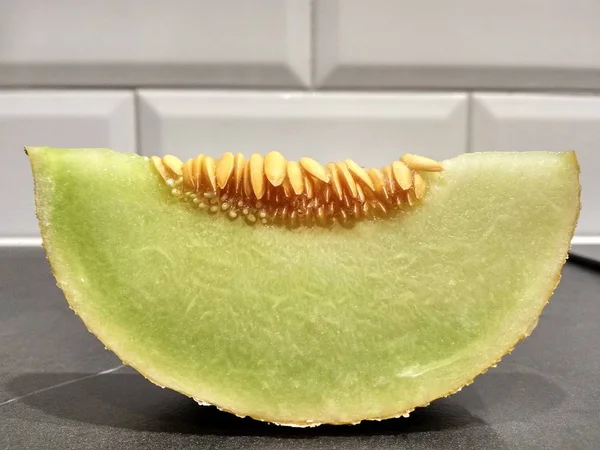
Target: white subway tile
372	129
462	43
54	119
522	122
150	42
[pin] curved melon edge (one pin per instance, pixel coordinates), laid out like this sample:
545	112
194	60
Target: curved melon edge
54	258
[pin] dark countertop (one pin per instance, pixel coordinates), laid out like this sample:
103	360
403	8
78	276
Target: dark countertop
59	388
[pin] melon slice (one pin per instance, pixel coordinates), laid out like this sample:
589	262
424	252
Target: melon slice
302	323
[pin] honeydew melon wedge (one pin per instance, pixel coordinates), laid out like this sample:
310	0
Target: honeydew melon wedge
309	325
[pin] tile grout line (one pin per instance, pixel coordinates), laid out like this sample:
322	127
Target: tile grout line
469	124
14	242
138	120
20	242
286	88
312	45
65	383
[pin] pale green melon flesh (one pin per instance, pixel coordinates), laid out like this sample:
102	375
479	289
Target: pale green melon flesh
317	325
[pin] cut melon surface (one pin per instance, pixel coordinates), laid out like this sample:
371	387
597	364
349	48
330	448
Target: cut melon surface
315	325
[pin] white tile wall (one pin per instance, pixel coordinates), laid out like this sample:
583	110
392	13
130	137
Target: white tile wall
58	119
405	61
372	129
460	43
147	42
520	122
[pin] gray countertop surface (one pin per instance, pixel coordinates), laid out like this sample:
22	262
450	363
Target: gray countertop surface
59	387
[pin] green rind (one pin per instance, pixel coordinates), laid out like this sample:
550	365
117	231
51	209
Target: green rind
53	167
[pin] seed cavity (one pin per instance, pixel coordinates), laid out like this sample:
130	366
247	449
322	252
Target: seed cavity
225	169
315	169
294	172
273	191
197	169
417	162
247	181
402	175
420	186
160	167
336	185
238	171
173	164
360	174
209	172
275	168
378	183
347	179
390	182
309	188
187	175
257	175
411	198
360	194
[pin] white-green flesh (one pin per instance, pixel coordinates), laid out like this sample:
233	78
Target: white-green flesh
309	326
